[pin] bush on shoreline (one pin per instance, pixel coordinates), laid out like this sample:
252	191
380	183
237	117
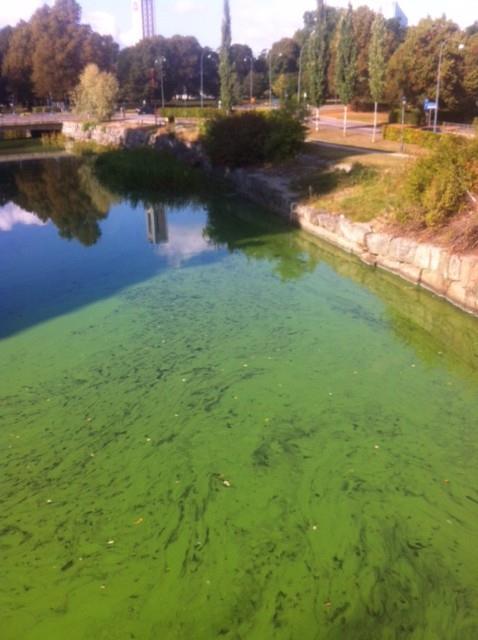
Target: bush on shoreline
253	138
443	183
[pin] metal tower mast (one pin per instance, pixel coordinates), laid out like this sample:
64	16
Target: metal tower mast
147	13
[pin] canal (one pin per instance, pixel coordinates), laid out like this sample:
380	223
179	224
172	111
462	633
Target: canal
211	426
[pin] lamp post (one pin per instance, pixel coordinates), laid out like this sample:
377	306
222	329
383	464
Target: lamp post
160	61
299	80
402	133
270	76
251	79
201	90
461	46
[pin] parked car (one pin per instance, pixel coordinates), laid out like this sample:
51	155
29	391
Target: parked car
145	110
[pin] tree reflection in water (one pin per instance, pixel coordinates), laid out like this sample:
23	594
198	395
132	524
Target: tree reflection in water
259	235
70	195
64	192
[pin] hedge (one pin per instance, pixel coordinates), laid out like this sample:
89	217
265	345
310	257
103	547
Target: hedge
411	135
188	112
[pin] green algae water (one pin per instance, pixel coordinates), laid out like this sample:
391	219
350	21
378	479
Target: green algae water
213	427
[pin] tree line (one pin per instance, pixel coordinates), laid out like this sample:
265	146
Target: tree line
41	59
353	55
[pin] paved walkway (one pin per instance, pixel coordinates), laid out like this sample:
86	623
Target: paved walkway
28	157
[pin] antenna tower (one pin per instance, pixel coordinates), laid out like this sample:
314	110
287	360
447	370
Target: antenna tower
147	13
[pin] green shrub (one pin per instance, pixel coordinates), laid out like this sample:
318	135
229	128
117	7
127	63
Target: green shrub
438	184
411	135
253	137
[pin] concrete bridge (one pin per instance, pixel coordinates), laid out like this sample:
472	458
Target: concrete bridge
33	125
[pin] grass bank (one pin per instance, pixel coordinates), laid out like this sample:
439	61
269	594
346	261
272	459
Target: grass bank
358	191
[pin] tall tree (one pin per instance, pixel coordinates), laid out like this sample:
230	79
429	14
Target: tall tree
317	61
5	35
376	66
139	72
17	64
226	69
345	64
412	70
470	76
363	19
46	55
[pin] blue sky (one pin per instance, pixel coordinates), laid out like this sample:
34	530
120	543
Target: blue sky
256	22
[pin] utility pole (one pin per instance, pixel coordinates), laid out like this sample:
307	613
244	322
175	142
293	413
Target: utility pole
299	80
251	78
402	133
160	61
202	75
437	97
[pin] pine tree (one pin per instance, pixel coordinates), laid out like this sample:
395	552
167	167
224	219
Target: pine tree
376	66
317	58
345	64
226	69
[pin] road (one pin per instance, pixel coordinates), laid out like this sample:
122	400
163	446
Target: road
328	122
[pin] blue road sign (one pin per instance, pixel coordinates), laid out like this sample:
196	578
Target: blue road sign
428	105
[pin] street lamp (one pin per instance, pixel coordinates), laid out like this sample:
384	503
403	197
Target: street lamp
402	133
209	56
160	61
299	81
461	46
251	79
270	76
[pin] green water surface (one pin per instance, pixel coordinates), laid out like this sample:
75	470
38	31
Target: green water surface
235	433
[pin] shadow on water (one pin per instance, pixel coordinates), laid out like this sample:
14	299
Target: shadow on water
91	267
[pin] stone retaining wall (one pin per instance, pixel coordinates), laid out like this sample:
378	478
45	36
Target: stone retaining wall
448	275
109	135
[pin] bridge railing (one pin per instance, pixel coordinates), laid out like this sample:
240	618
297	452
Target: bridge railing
14	120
